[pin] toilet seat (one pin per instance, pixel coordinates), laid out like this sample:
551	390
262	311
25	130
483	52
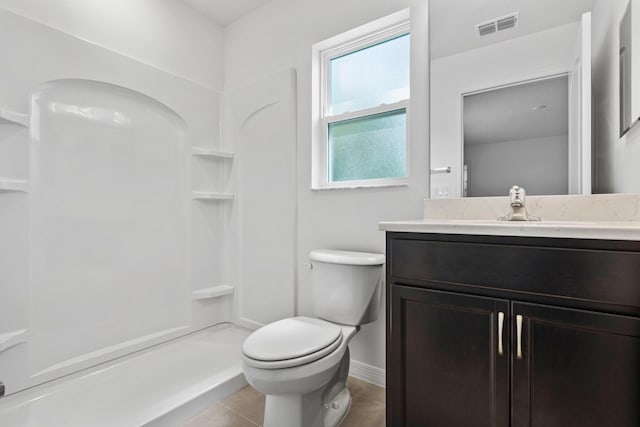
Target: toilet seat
291	342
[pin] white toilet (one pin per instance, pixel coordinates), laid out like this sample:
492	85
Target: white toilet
301	363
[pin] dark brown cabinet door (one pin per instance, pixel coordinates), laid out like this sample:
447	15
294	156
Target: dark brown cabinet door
577	368
444	361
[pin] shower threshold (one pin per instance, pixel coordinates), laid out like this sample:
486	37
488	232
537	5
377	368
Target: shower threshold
158	387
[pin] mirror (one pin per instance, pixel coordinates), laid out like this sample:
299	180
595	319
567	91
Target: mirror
480	46
629	67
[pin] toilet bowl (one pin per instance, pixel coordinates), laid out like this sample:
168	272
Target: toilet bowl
301	363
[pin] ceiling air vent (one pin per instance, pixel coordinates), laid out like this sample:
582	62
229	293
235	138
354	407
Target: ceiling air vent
486	29
498	24
506	23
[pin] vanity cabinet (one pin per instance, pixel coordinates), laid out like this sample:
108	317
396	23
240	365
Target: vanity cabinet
511	331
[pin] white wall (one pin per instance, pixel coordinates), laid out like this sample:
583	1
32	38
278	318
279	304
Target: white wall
166	34
539	165
616	159
536	55
278	36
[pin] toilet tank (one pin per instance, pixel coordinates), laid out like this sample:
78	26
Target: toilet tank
346	286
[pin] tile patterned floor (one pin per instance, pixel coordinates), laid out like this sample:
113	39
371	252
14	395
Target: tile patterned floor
246	408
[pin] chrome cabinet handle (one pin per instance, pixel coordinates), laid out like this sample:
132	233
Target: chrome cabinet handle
519	336
500	327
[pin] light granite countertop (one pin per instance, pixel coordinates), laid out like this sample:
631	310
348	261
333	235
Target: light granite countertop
598	216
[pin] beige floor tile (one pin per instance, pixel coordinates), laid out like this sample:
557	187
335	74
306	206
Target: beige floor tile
219	416
359	388
246	408
247	402
365	413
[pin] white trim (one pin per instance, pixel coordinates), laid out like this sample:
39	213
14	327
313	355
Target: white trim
367	112
365	183
538	78
368	373
364	31
586	151
357	185
379	31
362	42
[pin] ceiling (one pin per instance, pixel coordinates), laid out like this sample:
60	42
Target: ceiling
224	12
508	114
452	21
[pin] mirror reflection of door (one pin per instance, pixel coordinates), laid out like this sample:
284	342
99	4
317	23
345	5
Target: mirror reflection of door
629	91
517	135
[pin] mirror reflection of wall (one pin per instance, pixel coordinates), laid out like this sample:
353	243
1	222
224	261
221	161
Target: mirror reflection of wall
517	134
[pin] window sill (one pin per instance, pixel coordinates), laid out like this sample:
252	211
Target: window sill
360	185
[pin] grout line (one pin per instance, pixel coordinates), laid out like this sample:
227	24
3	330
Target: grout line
239	414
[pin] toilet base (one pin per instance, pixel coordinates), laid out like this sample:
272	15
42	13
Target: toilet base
325	407
338	409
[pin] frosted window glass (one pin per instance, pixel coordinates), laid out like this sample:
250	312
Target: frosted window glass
369	147
370	77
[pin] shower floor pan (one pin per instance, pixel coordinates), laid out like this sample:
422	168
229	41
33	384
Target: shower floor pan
157	387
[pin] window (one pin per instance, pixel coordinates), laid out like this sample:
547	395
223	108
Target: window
362	84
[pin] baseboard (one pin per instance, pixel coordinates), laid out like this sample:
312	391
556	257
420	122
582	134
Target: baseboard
367	373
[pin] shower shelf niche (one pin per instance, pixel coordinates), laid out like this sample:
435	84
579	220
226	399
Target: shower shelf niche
212	292
207	152
14	185
11	339
12	117
218	156
209	195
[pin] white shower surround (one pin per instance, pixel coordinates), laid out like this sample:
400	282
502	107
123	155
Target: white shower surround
152	299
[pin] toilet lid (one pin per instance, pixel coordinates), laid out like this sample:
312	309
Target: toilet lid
290	338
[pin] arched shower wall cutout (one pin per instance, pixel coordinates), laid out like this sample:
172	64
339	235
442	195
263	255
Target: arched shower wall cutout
111	89
256	112
109	241
262	126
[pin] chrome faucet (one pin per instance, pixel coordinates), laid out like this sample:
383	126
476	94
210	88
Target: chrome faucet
518	210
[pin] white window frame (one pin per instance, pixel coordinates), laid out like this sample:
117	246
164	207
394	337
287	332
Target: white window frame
376	32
